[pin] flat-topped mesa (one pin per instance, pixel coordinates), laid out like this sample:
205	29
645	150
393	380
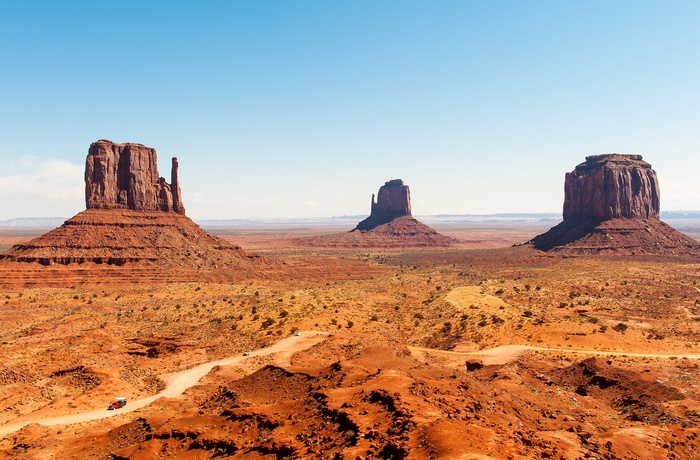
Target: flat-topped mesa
125	176
611	206
393	200
611	186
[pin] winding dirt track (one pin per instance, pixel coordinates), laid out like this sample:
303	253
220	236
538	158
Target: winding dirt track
181	381
177	383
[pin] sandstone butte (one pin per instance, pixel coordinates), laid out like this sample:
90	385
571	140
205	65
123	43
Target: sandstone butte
611	205
390	218
389	225
133	216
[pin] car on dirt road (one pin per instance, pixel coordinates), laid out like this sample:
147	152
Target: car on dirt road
118	403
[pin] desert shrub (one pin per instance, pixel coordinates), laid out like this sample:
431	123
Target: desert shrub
496	320
374	318
620	327
483	322
603	328
350	324
527	313
527	287
499	292
419	316
284	313
267	323
254	310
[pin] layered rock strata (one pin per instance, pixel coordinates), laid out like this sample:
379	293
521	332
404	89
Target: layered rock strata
612	186
125	176
132	216
611	205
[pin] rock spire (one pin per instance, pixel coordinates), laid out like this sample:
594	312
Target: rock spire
125	176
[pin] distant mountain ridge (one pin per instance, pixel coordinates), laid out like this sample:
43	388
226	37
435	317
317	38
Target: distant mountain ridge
51	222
37	222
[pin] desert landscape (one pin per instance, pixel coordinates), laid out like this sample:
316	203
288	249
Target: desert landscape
309	343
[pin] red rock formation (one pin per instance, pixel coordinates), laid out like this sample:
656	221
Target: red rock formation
125	222
611	205
393	200
125	176
178	207
612	186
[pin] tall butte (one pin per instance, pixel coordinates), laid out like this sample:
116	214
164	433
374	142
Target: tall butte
390	221
611	205
133	217
125	176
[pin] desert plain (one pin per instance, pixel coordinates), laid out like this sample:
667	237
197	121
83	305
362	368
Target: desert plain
477	350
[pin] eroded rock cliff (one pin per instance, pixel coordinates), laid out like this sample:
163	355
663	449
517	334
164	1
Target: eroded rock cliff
612	186
125	222
611	205
125	176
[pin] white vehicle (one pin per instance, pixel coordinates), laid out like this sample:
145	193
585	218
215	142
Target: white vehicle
246	353
297	333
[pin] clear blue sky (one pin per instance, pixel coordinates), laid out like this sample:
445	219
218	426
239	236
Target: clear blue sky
304	108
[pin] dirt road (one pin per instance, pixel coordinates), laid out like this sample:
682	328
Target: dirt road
181	381
176	383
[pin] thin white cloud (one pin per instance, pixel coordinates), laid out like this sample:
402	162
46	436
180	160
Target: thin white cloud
31	186
679	195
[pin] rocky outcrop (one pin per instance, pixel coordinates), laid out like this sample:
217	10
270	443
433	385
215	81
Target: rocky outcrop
393	200
611	206
118	237
132	217
125	176
612	186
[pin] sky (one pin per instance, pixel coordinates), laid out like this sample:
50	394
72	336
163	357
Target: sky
288	109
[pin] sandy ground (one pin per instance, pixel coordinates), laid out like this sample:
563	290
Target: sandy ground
580	356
